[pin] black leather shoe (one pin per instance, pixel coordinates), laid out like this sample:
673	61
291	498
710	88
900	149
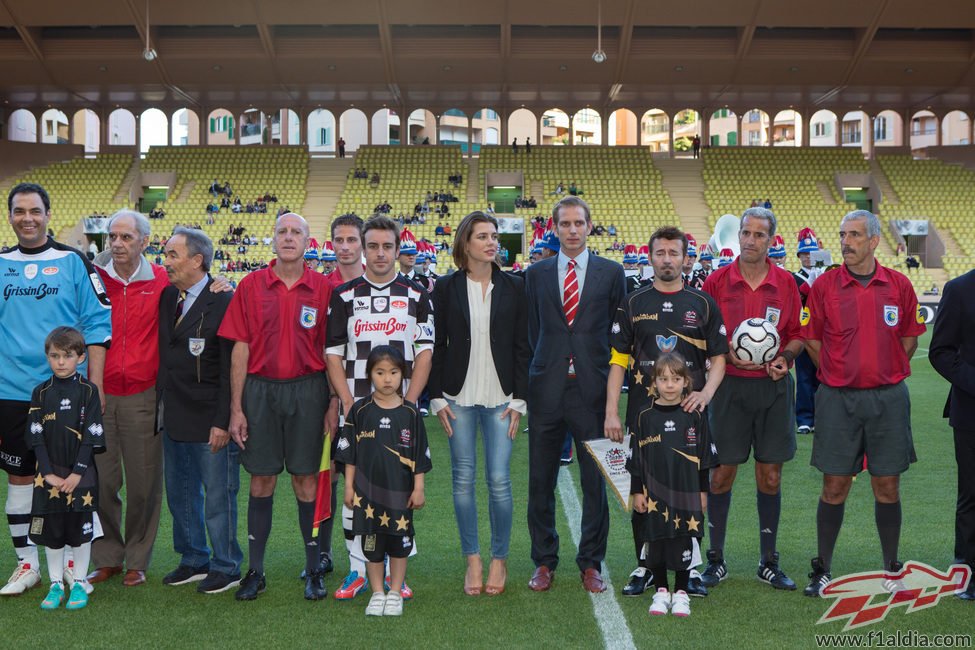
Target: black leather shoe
314	589
252	586
640	579
695	587
324	565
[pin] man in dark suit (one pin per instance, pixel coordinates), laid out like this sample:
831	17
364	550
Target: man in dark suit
572	298
953	355
201	462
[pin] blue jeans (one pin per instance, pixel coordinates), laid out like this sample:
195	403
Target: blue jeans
497	471
201	490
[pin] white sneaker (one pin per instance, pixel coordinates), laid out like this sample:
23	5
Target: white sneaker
23	578
681	604
661	602
376	604
394	605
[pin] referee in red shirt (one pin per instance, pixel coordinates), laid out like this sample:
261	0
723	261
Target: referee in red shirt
754	407
861	325
279	393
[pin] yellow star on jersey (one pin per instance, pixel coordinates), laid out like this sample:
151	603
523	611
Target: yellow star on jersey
384	520
638	377
370	512
70	498
666	514
356	500
88	499
676	522
401	523
651	506
38	481
692	524
54	492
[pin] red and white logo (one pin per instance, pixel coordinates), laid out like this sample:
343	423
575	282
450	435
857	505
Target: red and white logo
923	586
49	270
388	327
398	304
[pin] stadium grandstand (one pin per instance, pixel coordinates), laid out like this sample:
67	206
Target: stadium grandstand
145	109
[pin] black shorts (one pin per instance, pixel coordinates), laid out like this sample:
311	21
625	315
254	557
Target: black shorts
675	553
16	458
60	529
376	546
754	413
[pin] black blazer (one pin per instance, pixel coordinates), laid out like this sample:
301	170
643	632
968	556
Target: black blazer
452	344
553	343
195	389
952	350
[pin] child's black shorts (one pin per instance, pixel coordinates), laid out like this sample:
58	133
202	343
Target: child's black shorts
376	546
60	529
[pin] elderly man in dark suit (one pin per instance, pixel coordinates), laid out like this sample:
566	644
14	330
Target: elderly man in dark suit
572	298
201	462
952	354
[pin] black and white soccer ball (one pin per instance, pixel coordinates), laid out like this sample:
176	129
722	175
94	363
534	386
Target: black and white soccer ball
755	340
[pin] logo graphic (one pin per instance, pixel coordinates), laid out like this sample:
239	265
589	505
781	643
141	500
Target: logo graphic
11	272
361	304
723	331
343	443
398	304
384	423
924	586
380	303
891	315
97	283
404	437
804	316
36	427
666	343
691	436
919	317
96	429
308	316
388	327
65	404
197	346
49	270
668	306
772	315
30	271
669	426
690	318
616	328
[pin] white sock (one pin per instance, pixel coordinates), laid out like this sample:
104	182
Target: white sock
353	543
82	555
68	557
55	563
18	505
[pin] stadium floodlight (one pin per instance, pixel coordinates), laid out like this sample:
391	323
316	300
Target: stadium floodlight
599	55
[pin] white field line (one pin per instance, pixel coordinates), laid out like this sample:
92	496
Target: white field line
610	617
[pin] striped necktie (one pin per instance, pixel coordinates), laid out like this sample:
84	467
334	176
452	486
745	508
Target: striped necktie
570	294
179	307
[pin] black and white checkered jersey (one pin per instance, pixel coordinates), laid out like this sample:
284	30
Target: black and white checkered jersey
362	315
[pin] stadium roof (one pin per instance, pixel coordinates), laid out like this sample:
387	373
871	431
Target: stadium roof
500	54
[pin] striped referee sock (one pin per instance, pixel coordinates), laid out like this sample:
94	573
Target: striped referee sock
19	499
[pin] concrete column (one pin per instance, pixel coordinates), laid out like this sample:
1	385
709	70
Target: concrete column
369	118
906	128
203	125
937	131
705	117
670	125
138	129
503	114
868	136
838	135
572	131
738	119
639	130
604	127
470	135
770	129
969	132
806	121
538	128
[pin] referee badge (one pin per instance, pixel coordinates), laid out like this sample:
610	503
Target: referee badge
920	315
308	316
804	316
772	315
890	315
196	346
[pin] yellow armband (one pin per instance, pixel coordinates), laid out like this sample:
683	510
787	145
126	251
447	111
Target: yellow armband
619	359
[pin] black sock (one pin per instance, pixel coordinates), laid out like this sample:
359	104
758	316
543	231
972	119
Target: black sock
718	506
637	522
306	522
660	578
681	578
259	511
888	517
325	528
769	508
829	519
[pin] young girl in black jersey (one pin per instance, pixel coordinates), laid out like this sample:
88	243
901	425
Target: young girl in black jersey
670	457
384	448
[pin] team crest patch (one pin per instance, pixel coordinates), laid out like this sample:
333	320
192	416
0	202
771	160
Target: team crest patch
404	437
919	317
197	345
666	343
37	525
30	271
804	316
891	316
369	543
772	315
380	304
308	317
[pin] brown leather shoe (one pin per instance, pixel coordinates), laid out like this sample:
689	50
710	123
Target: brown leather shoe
542	579
134	577
104	573
592	581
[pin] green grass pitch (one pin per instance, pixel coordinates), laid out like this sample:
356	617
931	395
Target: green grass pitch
740	611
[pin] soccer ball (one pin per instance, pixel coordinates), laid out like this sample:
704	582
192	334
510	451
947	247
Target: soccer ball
755	340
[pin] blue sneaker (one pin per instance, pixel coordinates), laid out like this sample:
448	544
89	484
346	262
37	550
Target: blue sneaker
78	597
54	597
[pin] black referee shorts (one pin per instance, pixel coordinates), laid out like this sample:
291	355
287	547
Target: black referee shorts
16	458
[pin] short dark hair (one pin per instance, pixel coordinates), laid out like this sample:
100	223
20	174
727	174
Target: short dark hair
380	222
28	188
670	233
387	353
761	213
463	236
65	338
197	243
347	219
567	202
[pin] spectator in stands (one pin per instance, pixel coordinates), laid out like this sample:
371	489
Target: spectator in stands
912	263
226	190
375	179
490	208
429	196
439	231
611	231
575	191
768	204
341	145
224	203
528	145
444	209
514	146
518	201
755	203
446	229
696	144
532	203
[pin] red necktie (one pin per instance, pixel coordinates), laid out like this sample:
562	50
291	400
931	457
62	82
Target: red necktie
570	294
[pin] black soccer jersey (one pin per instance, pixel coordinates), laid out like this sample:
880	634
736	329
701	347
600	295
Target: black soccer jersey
649	322
667	453
362	316
64	415
388	447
